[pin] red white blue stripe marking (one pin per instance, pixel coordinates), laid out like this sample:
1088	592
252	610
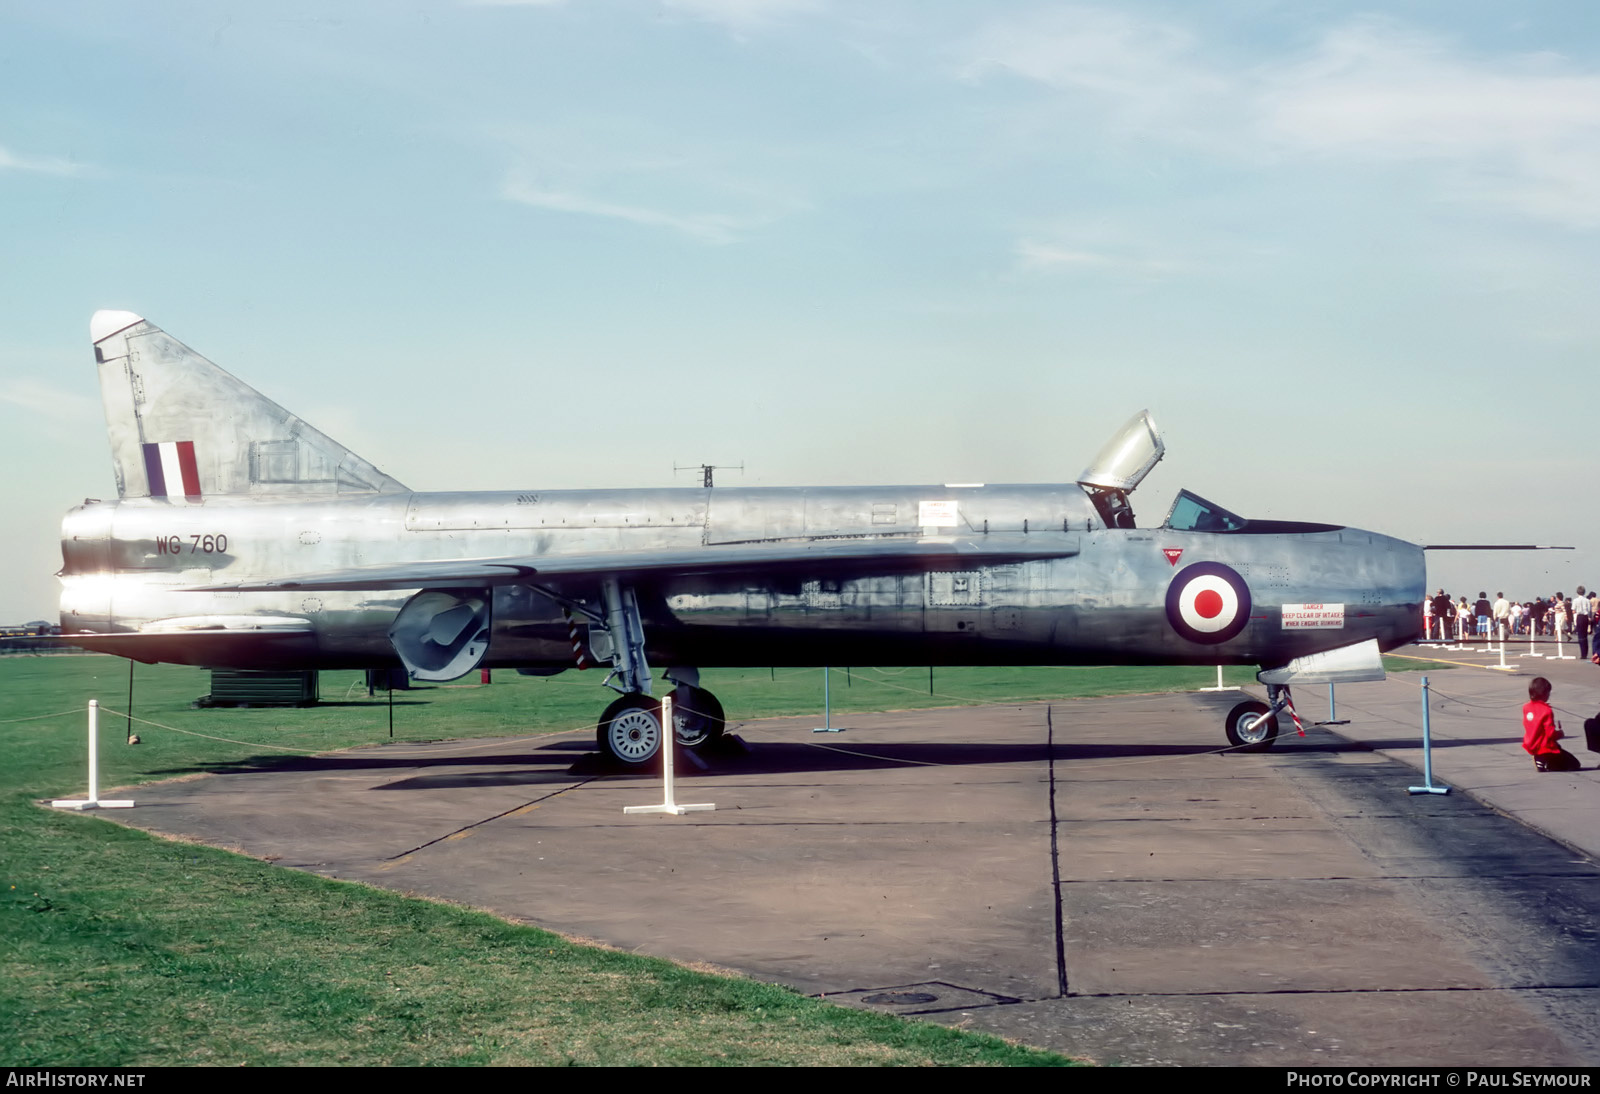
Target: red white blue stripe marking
171	470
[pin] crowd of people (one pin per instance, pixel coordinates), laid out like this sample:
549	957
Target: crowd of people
1569	618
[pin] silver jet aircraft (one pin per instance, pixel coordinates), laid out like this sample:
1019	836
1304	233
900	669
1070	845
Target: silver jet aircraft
242	537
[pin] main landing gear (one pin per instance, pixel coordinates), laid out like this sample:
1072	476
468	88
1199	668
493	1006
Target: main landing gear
630	729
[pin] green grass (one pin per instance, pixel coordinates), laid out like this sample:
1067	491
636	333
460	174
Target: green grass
118	948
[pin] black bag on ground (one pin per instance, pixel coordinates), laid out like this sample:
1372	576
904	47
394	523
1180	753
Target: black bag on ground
1591	733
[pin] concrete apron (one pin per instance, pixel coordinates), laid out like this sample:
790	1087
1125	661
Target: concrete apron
1085	876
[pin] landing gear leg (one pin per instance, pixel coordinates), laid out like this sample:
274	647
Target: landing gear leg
630	729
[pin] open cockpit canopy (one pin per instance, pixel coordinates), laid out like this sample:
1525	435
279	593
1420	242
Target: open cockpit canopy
1127	457
1120	466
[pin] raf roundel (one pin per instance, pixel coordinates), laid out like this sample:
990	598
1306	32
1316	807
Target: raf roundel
1208	603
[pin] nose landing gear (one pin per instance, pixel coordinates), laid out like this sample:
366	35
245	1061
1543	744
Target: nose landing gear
1253	726
1250	728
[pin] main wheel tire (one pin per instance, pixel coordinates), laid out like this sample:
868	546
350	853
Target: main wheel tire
697	720
630	730
1245	737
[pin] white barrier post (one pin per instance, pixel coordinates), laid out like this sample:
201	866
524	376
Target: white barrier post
1559	656
669	745
1502	664
94	801
1220	685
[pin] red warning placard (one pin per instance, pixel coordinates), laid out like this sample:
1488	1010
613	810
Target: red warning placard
1313	617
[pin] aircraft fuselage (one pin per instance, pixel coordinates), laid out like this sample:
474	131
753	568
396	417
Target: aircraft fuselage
133	563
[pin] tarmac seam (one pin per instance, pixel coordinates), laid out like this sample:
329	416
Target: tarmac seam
479	823
1586	875
719	823
1055	852
1013	1002
1329	991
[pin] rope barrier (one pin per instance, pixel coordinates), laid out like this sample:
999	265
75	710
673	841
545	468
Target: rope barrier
495	743
1130	762
37	717
1469	704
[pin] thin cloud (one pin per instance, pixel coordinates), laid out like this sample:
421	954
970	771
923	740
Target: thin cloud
1148	70
55	412
1035	256
744	15
706	227
46	165
1518	131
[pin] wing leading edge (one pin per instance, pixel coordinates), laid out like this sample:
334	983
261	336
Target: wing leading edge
843	558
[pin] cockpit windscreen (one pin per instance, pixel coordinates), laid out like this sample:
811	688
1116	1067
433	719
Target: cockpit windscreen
1192	513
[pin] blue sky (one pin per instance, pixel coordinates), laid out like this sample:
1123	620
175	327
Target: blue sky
1345	253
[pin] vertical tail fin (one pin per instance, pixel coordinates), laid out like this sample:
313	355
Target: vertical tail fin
182	428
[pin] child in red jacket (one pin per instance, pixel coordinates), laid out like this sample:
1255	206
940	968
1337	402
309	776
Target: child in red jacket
1540	731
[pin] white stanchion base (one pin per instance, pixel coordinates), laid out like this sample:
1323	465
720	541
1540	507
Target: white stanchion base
828	729
669	803
1427	790
675	810
80	805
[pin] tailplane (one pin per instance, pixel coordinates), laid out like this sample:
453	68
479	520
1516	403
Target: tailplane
183	429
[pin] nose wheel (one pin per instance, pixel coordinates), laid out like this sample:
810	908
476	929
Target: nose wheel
1251	728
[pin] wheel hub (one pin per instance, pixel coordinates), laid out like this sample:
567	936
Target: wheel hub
635	735
1252	728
